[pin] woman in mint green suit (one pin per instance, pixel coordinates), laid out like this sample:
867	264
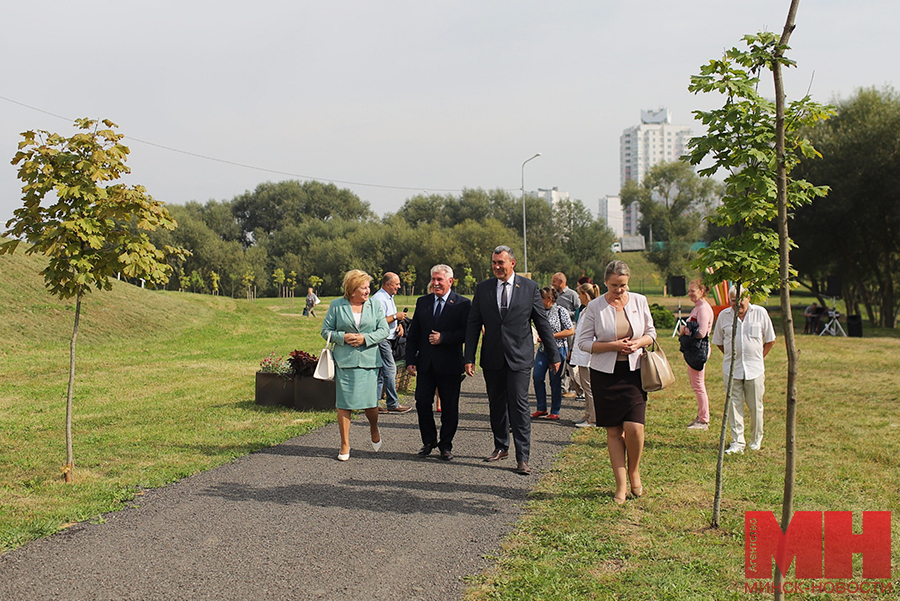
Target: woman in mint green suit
356	326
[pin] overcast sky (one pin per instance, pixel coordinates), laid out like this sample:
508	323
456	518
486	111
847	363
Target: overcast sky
394	98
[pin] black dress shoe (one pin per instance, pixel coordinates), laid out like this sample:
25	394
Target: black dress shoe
497	455
523	468
446	455
426	450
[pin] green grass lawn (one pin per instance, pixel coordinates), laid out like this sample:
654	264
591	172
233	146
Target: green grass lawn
164	389
575	543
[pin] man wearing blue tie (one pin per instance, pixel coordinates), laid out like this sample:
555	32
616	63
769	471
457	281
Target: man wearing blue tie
506	306
434	355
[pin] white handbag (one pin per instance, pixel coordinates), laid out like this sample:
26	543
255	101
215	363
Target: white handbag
325	366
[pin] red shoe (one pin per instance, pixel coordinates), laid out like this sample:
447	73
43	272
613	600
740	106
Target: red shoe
552	416
538	414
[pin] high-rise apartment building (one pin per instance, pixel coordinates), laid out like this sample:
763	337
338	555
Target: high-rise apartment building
610	211
552	195
655	140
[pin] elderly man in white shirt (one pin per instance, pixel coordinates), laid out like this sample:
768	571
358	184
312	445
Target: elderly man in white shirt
755	338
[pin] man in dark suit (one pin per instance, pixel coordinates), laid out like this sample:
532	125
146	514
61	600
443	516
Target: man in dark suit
506	306
434	354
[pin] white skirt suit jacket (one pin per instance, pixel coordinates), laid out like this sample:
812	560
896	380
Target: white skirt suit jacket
600	325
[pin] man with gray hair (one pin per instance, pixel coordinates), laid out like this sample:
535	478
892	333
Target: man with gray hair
752	341
568	300
434	354
387	375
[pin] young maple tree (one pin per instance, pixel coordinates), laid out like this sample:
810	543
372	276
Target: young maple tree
757	142
89	228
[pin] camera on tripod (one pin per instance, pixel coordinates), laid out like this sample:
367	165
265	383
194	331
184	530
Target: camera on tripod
833	313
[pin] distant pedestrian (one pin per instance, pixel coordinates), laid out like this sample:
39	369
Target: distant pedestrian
755	337
311	301
812	315
581	360
566	297
568	300
562	327
695	347
356	326
387	377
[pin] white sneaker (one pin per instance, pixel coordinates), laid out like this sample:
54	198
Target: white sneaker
755	446
735	448
585	424
698	425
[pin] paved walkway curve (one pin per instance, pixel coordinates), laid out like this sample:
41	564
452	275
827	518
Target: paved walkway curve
291	522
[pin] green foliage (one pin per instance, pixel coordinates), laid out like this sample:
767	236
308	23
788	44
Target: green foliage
740	140
277	227
663	319
467	282
673	202
408	278
165	391
88	230
271	205
855	231
581	245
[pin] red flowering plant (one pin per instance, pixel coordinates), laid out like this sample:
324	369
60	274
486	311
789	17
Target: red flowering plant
303	363
273	364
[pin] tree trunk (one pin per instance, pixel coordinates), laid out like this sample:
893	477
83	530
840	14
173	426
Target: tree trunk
787	320
717	501
69	468
888	309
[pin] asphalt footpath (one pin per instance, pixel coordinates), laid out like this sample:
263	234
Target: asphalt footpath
293	522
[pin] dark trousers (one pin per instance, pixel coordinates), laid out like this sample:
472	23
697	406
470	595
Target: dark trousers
427	382
507	391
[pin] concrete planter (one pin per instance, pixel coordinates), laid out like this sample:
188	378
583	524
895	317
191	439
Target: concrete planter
272	389
313	394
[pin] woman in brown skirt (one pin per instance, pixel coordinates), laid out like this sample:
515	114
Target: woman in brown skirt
618	326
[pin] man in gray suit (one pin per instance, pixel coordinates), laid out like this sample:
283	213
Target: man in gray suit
506	306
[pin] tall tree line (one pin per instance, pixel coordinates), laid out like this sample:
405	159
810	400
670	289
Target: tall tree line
854	232
315	229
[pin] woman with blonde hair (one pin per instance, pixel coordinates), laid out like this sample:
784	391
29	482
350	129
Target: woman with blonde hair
617	327
356	326
695	346
580	359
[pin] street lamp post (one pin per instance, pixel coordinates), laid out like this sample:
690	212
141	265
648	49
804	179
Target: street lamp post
524	227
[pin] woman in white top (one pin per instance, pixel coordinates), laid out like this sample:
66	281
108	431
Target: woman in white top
581	360
617	326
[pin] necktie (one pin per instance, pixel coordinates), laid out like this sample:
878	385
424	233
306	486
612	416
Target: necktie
438	307
504	301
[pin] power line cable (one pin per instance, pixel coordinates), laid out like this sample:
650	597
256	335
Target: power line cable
244	165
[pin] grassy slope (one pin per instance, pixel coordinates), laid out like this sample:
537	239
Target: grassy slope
164	389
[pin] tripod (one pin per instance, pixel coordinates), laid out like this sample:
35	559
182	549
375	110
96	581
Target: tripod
834	324
680	322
